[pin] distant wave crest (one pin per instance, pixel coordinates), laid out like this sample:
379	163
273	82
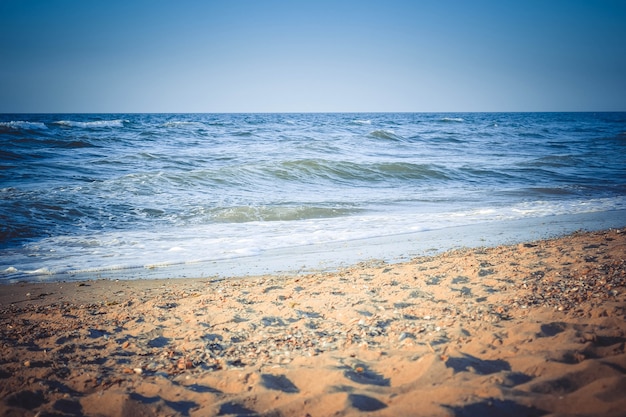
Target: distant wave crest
92	124
19	125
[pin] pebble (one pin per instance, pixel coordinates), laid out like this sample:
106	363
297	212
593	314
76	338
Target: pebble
404	335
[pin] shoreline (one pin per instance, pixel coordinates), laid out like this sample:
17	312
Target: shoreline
334	256
531	328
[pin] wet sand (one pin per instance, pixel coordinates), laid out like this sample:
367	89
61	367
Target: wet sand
530	329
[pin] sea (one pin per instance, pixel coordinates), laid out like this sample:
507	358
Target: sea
132	196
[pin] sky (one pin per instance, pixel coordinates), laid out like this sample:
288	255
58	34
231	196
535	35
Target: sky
220	56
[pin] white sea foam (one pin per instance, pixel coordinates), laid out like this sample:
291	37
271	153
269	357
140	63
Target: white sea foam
18	124
92	124
212	244
41	271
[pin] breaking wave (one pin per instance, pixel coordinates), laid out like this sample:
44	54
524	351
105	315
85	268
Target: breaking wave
22	125
97	124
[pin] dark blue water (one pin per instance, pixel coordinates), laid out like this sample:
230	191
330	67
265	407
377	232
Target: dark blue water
88	192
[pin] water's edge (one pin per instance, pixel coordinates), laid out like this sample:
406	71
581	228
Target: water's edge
334	256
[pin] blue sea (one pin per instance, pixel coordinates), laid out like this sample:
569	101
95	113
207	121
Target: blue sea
169	195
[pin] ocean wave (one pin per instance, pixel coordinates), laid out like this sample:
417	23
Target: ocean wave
219	123
77	144
98	124
356	172
158	180
41	271
411	171
36	142
184	124
557	161
244	214
385	134
244	133
440	138
22	125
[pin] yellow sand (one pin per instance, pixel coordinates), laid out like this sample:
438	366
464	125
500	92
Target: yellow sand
530	329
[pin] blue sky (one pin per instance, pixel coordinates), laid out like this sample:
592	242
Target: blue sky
312	56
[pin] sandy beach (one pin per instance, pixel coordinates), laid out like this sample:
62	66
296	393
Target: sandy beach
531	329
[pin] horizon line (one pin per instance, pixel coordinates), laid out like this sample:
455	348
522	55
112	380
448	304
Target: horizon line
316	112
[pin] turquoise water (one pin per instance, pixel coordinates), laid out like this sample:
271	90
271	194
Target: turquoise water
124	194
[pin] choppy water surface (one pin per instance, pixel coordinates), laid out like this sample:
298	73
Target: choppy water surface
108	192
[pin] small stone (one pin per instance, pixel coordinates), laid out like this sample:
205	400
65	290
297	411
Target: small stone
138	371
184	364
27	364
404	335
